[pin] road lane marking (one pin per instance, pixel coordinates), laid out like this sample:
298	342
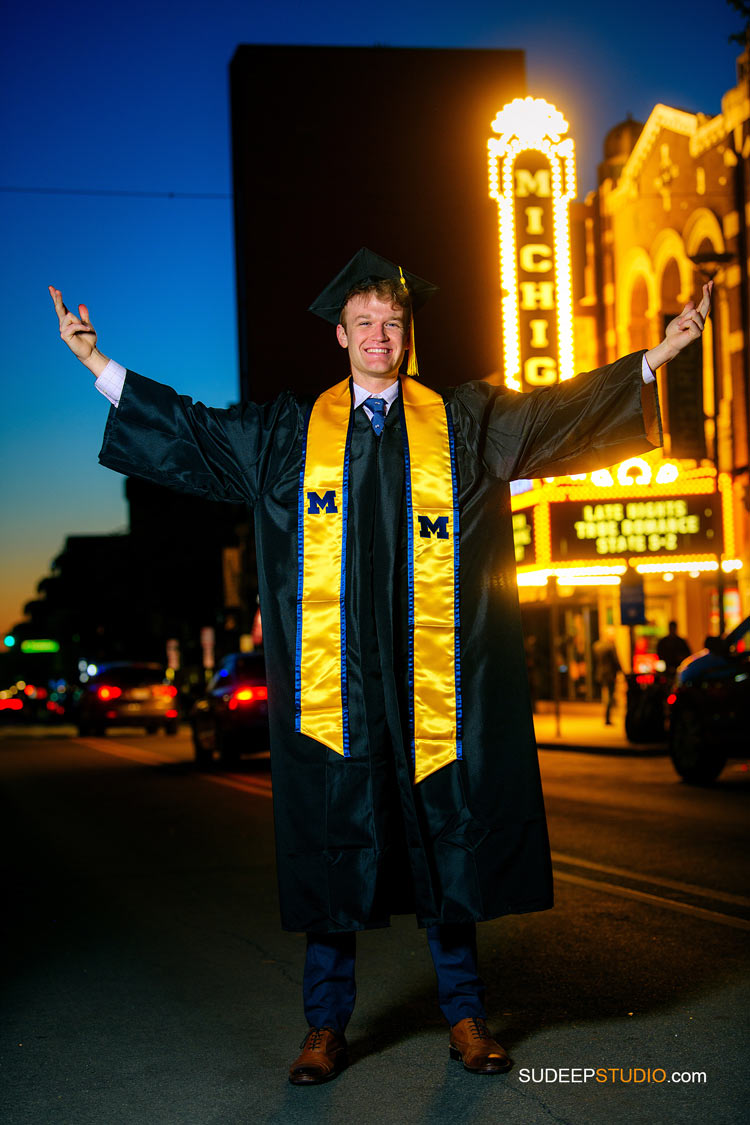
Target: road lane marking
256	786
259	786
654	900
657	880
131	753
261	779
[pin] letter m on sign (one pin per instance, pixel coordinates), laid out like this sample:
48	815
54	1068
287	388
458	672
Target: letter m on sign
324	503
428	527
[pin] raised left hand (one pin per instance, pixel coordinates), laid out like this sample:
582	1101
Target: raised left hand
688	326
681	331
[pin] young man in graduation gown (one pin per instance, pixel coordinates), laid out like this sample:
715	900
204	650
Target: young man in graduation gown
405	774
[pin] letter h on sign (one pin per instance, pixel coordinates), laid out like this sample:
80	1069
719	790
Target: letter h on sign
324	503
438	527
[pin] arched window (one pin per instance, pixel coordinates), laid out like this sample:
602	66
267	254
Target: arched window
670	291
637	319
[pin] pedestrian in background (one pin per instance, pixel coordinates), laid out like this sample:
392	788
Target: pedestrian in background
606	668
672	649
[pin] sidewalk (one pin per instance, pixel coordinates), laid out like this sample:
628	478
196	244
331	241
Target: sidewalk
582	728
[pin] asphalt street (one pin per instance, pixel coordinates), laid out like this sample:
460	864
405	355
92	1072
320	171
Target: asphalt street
147	981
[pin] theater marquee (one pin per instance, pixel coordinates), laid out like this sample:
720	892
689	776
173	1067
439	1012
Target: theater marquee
589	529
675	525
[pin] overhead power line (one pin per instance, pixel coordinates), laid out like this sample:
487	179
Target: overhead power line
117	192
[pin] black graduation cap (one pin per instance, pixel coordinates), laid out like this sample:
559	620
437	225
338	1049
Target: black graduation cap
365	267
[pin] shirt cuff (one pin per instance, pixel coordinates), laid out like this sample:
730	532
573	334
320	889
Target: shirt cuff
112	380
648	375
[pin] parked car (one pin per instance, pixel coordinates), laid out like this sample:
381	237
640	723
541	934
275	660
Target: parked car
128	694
646	709
710	707
232	717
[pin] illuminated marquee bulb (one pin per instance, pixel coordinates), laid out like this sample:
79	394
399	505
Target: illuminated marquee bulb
634	471
667	473
602	478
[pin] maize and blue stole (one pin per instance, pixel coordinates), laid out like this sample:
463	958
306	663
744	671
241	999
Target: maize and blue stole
433	576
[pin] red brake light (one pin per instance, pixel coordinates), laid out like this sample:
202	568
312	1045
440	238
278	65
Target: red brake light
107	692
11	704
243	696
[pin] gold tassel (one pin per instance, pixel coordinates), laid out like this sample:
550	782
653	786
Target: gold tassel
412	367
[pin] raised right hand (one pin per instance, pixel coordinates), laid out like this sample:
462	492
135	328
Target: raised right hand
78	333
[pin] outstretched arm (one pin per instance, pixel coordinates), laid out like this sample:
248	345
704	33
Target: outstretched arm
681	331
79	334
231	455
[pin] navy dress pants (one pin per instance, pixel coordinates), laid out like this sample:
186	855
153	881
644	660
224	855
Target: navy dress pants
329	988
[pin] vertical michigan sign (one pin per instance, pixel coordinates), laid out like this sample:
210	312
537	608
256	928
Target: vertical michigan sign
533	180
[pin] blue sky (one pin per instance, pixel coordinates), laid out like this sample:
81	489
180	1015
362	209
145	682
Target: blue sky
133	98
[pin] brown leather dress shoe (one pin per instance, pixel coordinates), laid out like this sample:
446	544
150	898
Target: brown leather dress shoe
323	1057
473	1045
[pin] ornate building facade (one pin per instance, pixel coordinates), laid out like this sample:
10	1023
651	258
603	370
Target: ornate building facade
673	214
672	210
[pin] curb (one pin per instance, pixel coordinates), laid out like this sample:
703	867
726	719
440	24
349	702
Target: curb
650	750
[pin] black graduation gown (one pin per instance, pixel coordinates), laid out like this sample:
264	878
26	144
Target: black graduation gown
356	840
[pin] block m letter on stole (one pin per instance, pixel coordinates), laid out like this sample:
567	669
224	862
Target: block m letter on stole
324	503
428	527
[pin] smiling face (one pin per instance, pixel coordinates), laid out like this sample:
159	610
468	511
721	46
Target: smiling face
374	334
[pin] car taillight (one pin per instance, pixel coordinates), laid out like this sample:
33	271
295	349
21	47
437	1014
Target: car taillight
11	704
171	714
164	691
243	697
671	698
107	692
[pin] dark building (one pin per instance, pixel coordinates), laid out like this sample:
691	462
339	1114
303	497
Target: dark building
186	565
83	605
195	565
341	147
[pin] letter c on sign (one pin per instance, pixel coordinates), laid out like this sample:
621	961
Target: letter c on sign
534	257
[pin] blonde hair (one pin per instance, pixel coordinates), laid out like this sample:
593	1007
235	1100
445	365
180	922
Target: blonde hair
386	289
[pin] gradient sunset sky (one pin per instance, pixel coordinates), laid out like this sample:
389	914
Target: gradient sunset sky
108	105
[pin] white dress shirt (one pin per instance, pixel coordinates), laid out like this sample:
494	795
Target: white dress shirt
389	396
112	380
